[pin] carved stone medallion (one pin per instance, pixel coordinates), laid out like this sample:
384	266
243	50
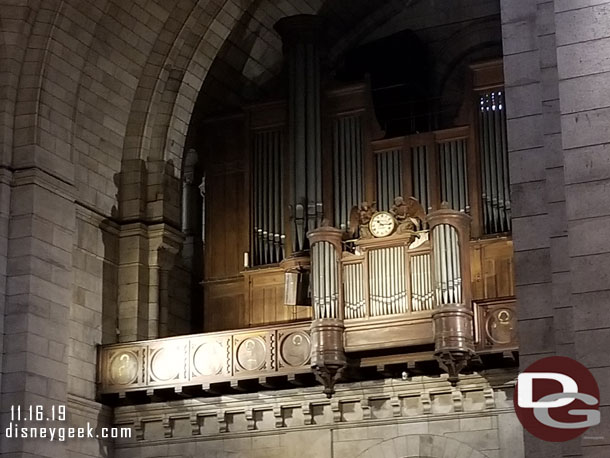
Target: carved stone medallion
251	354
166	363
208	358
501	326
123	368
296	348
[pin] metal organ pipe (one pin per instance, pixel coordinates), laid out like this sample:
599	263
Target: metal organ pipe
301	37
454	178
327	353
267	202
387	281
494	162
348	168
452	316
419	175
421	291
354	294
389	177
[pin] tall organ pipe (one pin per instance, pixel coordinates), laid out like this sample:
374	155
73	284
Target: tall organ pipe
327	352
452	316
348	169
302	35
267	202
494	162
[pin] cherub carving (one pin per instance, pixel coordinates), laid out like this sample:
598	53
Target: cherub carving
359	219
409	213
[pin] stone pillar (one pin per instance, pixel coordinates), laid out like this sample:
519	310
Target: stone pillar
582	39
190	223
147	253
558	111
150	213
6	177
39	294
302	35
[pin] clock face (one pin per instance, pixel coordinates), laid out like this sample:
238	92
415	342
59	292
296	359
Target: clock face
382	224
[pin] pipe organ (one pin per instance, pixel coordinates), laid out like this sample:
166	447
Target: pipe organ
355	303
421	283
301	36
453	316
419	175
389	177
325	284
267	198
388	281
430	276
494	162
447	274
327	352
348	143
453	172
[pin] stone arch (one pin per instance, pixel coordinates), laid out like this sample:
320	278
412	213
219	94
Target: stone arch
421	446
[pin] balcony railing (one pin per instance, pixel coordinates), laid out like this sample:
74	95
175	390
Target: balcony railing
203	359
384	320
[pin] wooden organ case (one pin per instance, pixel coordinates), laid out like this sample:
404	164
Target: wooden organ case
294	285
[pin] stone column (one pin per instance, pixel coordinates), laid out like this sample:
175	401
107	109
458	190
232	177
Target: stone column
39	294
147	226
582	186
302	35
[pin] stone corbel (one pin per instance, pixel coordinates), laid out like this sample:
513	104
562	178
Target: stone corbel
195	426
250	421
426	402
167	427
279	416
396	406
307	413
490	398
221	418
366	409
458	400
335	406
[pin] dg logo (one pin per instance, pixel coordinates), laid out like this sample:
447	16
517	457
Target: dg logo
557	399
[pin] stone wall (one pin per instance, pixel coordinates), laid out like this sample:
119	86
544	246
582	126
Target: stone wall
391	418
557	71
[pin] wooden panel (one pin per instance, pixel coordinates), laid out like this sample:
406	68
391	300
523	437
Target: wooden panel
224	305
376	334
487	75
266	299
227	202
492	268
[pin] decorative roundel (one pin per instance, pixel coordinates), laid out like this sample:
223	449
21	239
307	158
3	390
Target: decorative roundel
165	364
501	326
296	348
251	354
123	368
208	358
